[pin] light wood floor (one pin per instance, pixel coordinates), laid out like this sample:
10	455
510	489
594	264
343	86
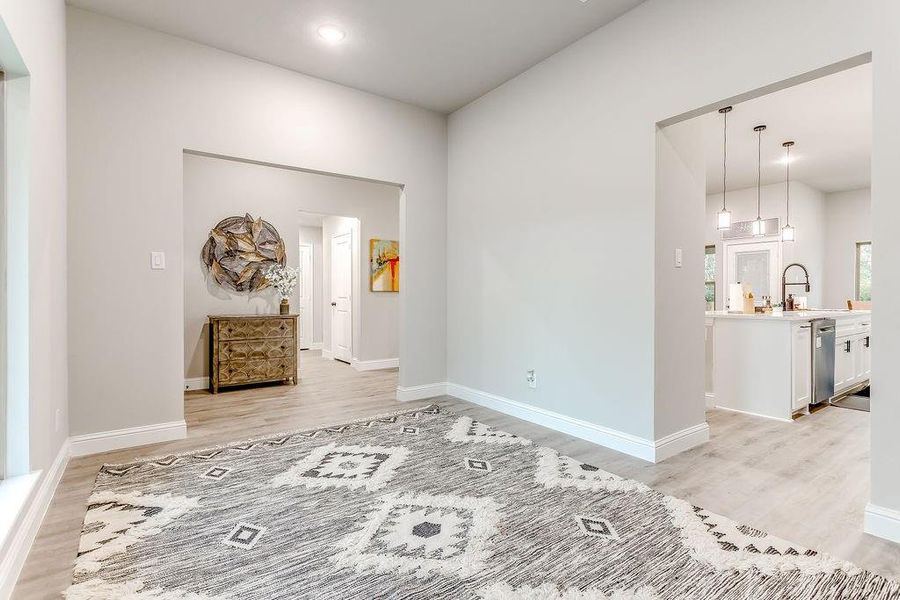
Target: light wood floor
806	481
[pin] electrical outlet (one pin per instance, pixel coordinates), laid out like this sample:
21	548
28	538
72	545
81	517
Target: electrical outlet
679	260
531	378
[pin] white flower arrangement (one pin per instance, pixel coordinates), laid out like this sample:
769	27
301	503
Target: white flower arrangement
282	278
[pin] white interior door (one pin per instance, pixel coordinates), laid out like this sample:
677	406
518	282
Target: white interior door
341	315
305	278
757	264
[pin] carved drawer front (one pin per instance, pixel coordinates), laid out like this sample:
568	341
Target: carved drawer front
237	372
256	349
243	329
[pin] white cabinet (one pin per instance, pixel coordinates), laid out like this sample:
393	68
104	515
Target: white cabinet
801	377
852	355
844	367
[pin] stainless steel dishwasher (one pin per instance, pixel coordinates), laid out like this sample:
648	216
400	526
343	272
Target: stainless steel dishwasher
823	331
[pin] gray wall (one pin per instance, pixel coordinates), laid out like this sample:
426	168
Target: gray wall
126	200
216	188
848	220
551	195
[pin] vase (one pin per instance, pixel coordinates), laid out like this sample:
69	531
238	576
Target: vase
285	306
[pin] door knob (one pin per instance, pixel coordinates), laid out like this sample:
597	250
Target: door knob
334	303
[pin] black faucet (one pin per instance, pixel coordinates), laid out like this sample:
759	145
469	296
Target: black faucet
784	282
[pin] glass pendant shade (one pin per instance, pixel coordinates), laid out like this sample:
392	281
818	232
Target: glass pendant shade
759	227
787	233
724	220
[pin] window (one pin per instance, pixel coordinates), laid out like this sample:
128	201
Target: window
864	271
710	270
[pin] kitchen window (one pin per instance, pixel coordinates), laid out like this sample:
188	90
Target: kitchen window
710	270
864	271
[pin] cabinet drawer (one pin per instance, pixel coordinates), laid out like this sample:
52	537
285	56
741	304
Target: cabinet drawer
250	371
244	329
256	349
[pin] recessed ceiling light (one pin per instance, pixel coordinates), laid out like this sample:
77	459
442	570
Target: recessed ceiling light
331	34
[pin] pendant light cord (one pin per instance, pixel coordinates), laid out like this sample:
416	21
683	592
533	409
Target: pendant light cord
724	157
758	173
788	186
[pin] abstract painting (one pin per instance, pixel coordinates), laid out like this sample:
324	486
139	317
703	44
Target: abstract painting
239	250
384	265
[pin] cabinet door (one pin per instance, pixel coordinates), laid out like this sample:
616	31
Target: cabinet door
843	363
802	367
863	358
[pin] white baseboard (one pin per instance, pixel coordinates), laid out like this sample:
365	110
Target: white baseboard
604	436
680	441
753	414
315	346
882	522
104	441
651	451
23	535
196	383
327	354
375	365
710	400
421	392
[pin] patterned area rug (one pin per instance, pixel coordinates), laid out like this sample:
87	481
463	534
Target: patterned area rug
422	505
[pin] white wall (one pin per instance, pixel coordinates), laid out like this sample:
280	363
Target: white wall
313	236
551	195
215	189
808	207
886	275
138	99
37	29
848	220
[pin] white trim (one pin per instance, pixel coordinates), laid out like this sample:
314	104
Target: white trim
680	441
882	522
22	537
104	441
421	392
753	414
374	365
710	400
651	451
604	436
313	346
196	383
327	354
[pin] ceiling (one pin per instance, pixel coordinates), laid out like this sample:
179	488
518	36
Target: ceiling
830	119
432	53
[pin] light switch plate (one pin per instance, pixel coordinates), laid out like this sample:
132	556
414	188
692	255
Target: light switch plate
158	260
678	258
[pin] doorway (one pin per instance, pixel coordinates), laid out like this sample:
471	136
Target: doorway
305	278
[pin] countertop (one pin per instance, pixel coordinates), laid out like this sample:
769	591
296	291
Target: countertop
797	315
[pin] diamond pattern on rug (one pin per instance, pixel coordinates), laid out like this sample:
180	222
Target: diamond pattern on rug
554	470
596	527
369	467
216	473
114	522
466	429
423	534
476	464
244	536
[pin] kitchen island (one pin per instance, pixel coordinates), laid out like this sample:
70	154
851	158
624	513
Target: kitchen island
761	364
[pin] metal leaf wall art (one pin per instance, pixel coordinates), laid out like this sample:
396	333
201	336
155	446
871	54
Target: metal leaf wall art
239	249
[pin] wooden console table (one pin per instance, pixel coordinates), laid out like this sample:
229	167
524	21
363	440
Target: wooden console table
245	349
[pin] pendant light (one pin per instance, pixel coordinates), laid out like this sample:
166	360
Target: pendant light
759	226
724	216
787	232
